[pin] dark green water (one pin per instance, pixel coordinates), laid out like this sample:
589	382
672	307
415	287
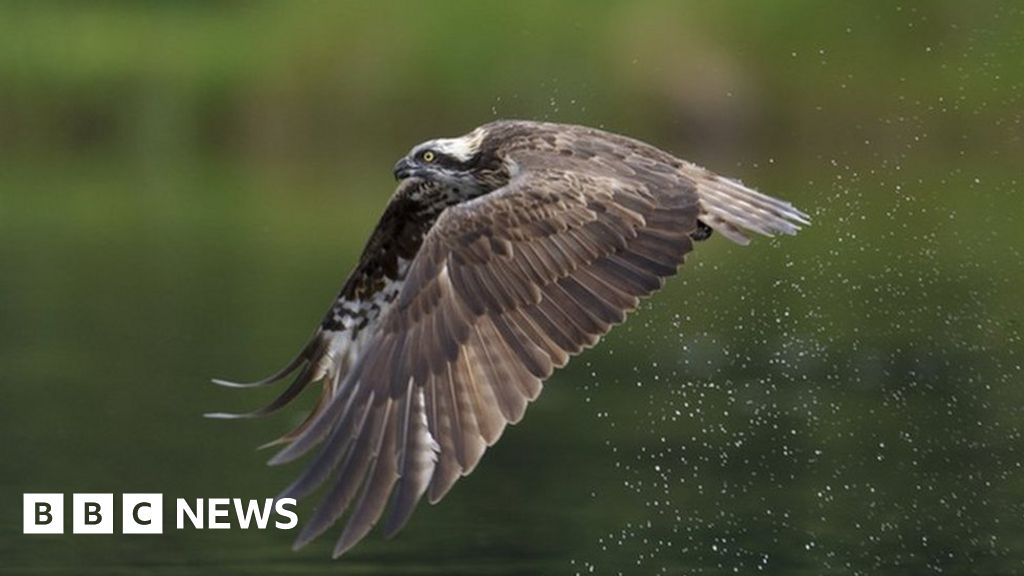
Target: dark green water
183	188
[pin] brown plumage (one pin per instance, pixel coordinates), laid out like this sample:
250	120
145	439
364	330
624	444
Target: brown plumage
502	254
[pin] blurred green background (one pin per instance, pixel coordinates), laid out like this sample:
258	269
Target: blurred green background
185	185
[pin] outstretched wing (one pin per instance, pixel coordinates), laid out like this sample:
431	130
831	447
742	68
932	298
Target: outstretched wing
504	289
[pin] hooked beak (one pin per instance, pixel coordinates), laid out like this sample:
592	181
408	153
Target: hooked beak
403	169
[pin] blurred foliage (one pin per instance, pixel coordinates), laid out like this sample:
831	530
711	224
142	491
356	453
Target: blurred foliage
183	187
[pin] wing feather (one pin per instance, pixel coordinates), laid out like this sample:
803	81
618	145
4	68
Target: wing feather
478	408
532	357
377	485
418	460
334	450
444	427
544	342
499	376
349	477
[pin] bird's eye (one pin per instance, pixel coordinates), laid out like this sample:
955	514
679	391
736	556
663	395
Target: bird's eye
429	156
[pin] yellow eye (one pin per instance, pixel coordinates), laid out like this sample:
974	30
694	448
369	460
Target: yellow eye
428	156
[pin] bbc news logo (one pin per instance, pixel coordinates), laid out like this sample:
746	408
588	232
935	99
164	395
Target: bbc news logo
143	513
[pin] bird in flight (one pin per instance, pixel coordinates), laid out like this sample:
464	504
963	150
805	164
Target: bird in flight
501	254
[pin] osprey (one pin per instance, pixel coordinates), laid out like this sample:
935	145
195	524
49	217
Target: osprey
501	254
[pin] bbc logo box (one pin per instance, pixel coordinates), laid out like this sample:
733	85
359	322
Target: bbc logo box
142	513
92	513
43	514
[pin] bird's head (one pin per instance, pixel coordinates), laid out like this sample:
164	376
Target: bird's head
460	163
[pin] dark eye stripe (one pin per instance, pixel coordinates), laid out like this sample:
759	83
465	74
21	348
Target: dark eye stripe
452	162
